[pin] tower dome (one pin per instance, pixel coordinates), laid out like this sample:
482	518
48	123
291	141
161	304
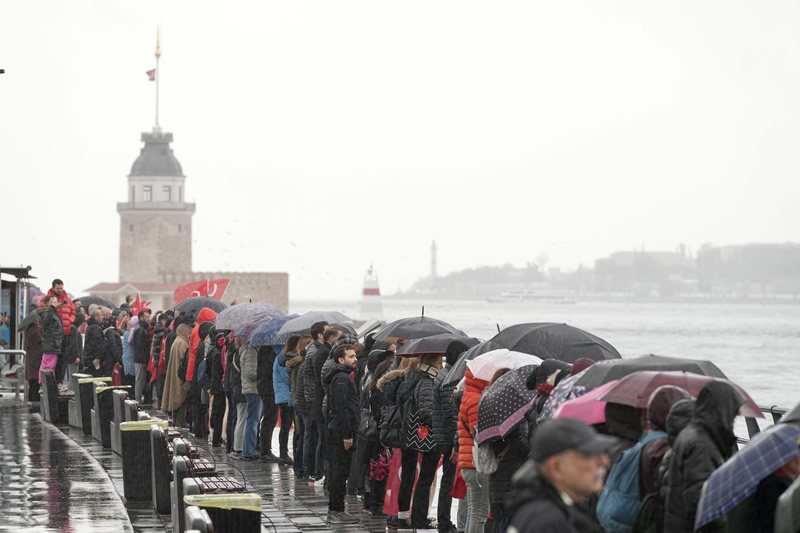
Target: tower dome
156	158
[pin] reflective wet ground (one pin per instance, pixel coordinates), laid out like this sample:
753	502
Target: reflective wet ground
58	479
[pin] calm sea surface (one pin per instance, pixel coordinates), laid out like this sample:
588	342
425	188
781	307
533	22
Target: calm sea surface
756	345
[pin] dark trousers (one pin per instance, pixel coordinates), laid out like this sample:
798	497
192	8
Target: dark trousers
419	513
377	494
217	415
128	379
199	416
287	417
445	503
310	445
269	417
159	384
299	444
231	421
33	390
340	467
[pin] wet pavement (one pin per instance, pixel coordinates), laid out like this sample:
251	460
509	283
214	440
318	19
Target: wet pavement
58	479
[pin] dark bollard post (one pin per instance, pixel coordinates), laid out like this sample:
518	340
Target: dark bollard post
86	386
136	458
230	512
104	412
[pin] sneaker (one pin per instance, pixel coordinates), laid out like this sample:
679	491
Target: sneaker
250	457
285	459
341	517
428	524
393	522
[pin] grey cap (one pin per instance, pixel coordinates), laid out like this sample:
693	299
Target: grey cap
562	434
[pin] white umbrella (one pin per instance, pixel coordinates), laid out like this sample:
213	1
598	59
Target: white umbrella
485	365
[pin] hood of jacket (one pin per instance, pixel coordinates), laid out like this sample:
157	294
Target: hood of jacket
204	329
336	369
390	376
715	409
661	401
183	331
206	315
679	416
473	385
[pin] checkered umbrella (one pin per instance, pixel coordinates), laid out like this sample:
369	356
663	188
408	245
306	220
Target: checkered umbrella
740	475
635	389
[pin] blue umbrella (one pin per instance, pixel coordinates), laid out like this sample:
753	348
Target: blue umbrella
267	333
740	475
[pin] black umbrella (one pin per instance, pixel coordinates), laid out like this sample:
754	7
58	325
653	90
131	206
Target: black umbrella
598	374
29	319
343	328
553	341
434	344
86	301
193	306
400	331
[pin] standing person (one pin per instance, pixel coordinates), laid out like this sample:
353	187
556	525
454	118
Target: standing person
269	409
197	394
283	400
159	334
312	436
445	433
249	369
229	351
72	350
568	465
94	345
375	399
175	389
217	340
52	335
343	419
66	309
114	347
128	366
315	409
141	353
706	443
293	359
33	357
477	483
238	398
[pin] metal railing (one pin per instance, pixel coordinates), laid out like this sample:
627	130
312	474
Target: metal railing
16	380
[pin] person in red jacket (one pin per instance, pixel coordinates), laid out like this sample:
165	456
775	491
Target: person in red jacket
65	308
477	483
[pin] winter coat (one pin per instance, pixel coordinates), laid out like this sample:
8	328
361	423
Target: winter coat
468	418
445	415
248	365
155	345
128	366
52	331
203	331
141	343
215	360
308	375
114	342
516	446
281	384
535	505
390	383
33	350
66	311
291	365
680	415
344	412
73	346
266	362
700	449
94	344
235	372
317	360
176	390
205	315
419	382
300	403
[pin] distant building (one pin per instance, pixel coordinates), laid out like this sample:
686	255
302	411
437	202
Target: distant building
155	248
644	273
750	269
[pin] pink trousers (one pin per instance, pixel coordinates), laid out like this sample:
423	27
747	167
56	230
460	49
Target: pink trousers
49	361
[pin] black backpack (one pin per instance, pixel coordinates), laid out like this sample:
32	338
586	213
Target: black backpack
651	515
390	430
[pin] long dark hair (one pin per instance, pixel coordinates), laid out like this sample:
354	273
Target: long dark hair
379	372
291	344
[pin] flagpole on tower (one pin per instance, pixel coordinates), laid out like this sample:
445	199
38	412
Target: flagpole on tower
158	71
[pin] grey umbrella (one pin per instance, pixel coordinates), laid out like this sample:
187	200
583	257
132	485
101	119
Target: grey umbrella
307	320
248	313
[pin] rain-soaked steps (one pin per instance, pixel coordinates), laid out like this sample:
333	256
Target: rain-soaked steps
58	479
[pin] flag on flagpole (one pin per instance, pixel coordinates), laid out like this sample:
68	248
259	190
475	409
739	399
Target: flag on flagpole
151	74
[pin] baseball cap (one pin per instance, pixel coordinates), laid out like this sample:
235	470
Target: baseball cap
562	434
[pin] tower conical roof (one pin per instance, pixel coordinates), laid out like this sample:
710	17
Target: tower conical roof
156	158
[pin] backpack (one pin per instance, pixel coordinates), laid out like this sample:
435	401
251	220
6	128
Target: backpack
485	459
418	436
203	378
390	430
621	496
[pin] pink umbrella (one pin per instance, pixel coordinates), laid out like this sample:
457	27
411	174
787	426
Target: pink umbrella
586	408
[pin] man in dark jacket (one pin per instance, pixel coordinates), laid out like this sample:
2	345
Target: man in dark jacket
343	420
218	399
159	333
700	449
569	464
94	345
141	353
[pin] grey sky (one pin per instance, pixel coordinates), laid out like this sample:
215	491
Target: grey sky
320	136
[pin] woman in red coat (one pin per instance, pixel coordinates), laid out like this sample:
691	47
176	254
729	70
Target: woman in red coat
477	484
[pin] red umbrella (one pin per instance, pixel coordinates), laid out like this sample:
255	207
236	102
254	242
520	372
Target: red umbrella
635	389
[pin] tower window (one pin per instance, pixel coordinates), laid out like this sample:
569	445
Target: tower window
148	193
130	228
166	193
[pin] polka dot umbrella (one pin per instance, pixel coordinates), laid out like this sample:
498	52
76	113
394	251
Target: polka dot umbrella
504	405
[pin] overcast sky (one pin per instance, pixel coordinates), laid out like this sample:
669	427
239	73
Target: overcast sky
318	137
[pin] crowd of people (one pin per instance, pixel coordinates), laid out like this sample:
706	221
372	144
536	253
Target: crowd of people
353	406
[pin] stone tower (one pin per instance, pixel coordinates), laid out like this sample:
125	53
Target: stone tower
155	231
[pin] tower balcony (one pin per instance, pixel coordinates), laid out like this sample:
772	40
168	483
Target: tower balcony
138	207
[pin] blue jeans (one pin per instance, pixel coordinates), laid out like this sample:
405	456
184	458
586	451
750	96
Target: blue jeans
251	425
299	465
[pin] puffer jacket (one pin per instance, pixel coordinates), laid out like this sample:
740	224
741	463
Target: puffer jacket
235	373
248	359
215	359
317	360
52	331
155	344
300	403
445	414
281	384
468	418
94	344
390	382
266	362
344	411
66	311
420	384
141	343
308	373
700	449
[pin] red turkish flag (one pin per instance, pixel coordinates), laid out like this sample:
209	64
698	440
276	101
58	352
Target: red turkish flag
195	288
216	288
138	305
151	74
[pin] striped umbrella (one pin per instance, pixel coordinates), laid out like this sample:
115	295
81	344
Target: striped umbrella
740	475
